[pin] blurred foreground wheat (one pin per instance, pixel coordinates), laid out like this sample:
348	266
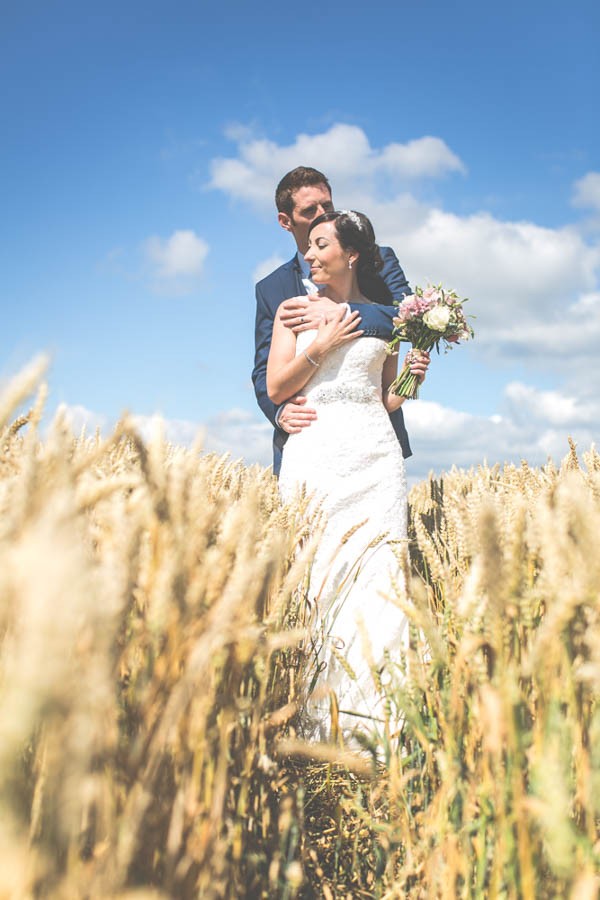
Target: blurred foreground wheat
152	658
147	618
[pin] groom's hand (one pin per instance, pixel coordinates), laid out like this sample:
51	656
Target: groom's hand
306	313
295	415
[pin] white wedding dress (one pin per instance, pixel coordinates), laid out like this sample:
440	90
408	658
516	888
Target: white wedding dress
351	464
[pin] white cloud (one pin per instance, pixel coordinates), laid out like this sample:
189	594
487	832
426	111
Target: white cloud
533	425
267	266
442	437
525	281
506	267
176	261
81	420
586	191
236	431
533	289
180	432
570	336
343	153
424	157
553	409
241	434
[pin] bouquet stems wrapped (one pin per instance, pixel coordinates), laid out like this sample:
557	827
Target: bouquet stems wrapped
424	319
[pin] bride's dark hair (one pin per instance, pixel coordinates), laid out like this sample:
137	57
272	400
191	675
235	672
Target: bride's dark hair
355	232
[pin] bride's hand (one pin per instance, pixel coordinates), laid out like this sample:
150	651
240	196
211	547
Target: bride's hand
305	313
335	330
418	362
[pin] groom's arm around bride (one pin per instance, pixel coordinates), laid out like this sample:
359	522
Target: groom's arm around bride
301	196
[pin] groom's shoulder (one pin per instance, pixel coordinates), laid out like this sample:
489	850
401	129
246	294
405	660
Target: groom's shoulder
387	253
277	280
274	280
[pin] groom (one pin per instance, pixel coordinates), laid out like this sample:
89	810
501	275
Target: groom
301	196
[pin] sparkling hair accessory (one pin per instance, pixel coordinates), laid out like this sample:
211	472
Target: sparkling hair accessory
354	217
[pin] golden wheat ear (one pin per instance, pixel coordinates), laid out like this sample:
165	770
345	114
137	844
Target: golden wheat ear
154	663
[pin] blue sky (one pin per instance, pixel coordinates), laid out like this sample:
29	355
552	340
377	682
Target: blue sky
140	151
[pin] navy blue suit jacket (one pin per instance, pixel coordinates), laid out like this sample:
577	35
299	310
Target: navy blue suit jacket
286	282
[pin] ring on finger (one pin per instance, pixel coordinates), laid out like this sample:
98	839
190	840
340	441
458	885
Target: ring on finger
302	320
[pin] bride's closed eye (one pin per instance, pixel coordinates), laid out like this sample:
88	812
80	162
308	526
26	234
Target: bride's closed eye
319	244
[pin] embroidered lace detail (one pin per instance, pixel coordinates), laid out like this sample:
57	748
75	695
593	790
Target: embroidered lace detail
352	393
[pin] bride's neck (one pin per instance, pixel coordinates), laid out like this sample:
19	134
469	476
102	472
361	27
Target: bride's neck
344	291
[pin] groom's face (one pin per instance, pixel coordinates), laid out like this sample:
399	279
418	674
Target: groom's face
309	202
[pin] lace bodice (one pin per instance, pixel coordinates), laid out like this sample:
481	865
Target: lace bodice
352	372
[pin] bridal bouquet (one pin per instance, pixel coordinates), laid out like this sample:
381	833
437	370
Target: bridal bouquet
424	319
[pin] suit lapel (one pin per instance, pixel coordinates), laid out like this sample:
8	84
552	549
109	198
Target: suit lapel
298	274
292	277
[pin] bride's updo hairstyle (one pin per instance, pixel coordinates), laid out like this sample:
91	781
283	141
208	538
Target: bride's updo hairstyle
355	232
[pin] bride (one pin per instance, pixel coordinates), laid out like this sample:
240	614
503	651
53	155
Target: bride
350	462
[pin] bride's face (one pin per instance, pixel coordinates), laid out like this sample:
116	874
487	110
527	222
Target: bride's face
328	260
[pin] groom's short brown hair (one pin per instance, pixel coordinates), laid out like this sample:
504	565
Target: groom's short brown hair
301	176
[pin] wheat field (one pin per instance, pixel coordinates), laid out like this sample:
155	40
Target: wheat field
154	659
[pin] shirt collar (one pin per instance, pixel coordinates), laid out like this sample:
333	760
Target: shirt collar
304	266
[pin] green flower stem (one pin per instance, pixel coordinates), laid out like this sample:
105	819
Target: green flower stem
406	384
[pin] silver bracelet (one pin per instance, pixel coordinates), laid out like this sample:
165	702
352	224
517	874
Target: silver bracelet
313	362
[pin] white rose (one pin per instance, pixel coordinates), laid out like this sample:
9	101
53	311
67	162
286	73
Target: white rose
437	318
